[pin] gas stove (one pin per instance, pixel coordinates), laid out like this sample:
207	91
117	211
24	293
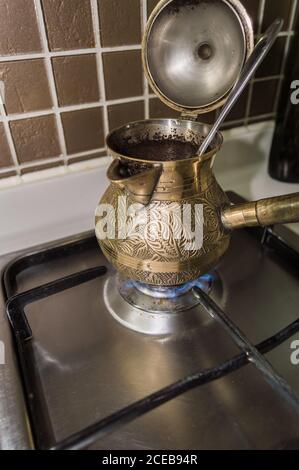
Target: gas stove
96	361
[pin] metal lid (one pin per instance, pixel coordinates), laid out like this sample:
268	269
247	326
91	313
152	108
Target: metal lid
194	50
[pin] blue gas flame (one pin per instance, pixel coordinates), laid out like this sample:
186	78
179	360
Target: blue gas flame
204	282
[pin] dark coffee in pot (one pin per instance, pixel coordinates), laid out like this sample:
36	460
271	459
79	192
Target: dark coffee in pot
161	150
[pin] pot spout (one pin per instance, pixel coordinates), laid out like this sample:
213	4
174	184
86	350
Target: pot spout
141	186
266	212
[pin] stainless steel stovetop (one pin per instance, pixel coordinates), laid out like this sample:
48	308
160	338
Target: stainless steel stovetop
73	364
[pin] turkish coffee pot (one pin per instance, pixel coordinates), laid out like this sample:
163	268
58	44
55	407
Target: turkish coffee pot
193	53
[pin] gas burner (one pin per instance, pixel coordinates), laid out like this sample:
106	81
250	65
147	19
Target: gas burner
154	310
174	293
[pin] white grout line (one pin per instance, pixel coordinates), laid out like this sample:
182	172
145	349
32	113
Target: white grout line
32	114
87	152
266	79
51	79
261	118
251	84
92	50
78	107
286	53
293	16
99	58
282	34
129	47
44	162
9	138
65	109
72	52
252	120
143	10
48	173
287	33
125	100
261	16
232	123
57	159
15	58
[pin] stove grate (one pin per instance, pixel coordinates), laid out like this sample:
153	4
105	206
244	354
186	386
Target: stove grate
43	434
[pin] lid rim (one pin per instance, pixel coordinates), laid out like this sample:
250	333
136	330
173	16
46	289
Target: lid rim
195	111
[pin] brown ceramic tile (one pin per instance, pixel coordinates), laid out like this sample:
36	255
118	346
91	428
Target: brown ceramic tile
151	5
76	79
239	109
87	157
18	27
120	114
5	156
273	62
120	22
277	9
83	129
296	22
160	110
47	166
69	24
263	97
8	174
26	86
252	8
123	74
207	118
35	138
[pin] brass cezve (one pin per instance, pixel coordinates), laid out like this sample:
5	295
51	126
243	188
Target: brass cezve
159	184
192	181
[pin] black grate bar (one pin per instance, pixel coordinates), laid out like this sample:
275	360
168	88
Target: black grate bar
273	378
15	305
42	256
114	422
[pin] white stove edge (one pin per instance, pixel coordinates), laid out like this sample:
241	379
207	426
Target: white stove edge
45	206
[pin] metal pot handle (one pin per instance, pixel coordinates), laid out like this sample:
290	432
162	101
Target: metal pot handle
266	212
141	186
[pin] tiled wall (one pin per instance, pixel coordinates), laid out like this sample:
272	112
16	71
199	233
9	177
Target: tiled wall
72	71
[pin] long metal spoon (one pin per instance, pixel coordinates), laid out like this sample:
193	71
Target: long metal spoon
258	55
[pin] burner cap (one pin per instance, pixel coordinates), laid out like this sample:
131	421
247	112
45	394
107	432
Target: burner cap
157	311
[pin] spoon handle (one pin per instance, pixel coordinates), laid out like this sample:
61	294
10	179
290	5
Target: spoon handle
258	55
